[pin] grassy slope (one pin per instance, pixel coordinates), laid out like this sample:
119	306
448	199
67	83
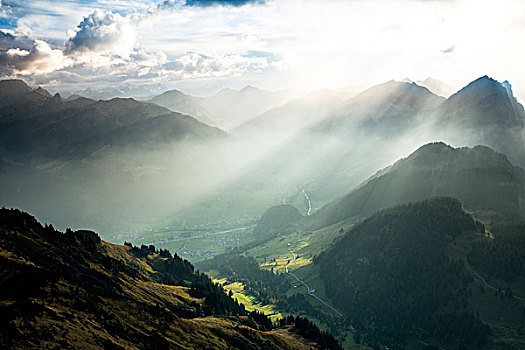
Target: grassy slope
107	298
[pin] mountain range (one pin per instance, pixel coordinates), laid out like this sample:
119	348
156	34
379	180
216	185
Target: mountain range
430	246
226	109
38	127
325	143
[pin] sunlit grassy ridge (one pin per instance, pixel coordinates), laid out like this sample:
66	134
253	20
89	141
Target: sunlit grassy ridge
249	301
73	290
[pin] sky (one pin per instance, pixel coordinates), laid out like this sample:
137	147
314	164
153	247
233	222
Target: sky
201	46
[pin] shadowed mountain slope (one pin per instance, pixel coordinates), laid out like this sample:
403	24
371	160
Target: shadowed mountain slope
38	128
485	182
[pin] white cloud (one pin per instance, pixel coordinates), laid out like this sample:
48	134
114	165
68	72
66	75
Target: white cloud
196	65
310	44
41	58
102	32
4	10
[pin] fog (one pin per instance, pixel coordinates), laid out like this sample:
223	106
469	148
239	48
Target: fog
325	143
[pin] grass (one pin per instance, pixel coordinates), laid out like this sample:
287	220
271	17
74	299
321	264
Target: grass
250	302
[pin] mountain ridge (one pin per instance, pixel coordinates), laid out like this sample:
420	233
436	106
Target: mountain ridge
73	290
480	177
48	127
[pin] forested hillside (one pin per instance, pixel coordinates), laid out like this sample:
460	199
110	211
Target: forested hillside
394	276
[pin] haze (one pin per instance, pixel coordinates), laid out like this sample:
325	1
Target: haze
146	47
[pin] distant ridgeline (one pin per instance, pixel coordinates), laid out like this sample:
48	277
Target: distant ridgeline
73	290
482	179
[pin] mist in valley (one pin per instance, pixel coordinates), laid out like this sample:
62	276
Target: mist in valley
326	143
262	174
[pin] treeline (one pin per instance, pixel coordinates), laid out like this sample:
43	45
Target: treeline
262	284
392	276
173	270
270	288
76	268
310	331
504	255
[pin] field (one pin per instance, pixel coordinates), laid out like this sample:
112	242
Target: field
249	302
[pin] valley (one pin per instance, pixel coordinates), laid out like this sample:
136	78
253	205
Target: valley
262	174
343	234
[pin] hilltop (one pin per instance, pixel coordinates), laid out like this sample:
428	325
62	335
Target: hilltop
482	179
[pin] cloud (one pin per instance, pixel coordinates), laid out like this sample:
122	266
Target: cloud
236	3
5	10
197	65
10	41
104	47
449	49
41	58
5	37
170	4
102	32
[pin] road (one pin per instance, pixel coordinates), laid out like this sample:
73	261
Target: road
176	239
471	270
183	245
309	203
309	290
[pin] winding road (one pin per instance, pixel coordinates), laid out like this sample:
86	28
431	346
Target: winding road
310	290
471	270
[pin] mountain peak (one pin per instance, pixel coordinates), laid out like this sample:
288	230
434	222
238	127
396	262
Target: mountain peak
249	88
437	169
485	82
486	101
14	87
433	147
400	92
56	98
172	92
43	92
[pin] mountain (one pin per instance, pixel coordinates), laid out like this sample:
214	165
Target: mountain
139	92
384	109
73	290
484	102
100	94
37	127
179	102
395	275
18	98
436	86
284	121
277	219
483	180
100	163
403	261
228	108
237	106
484	112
